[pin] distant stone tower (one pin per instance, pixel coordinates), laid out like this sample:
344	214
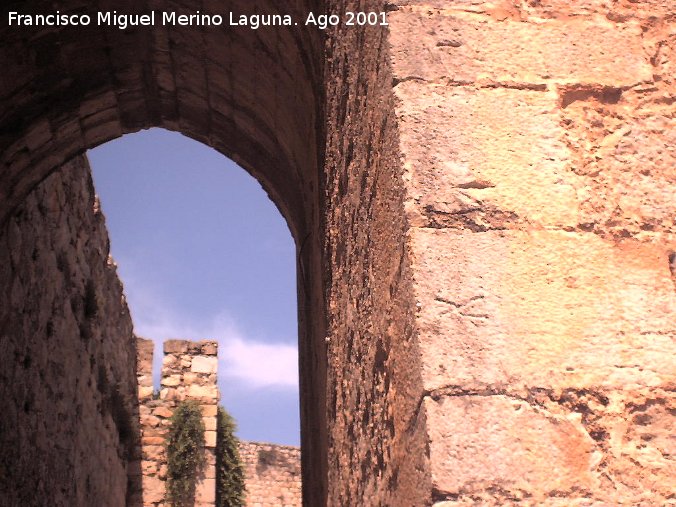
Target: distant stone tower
188	373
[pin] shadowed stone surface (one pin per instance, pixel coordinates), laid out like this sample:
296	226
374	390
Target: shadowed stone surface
69	422
253	95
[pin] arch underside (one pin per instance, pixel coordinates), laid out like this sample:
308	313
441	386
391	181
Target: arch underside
253	95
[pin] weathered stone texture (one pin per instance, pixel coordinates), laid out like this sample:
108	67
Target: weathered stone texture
188	373
272	474
455	47
377	441
538	149
474	169
545	309
506	435
482	198
68	424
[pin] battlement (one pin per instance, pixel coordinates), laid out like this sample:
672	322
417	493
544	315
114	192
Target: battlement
189	372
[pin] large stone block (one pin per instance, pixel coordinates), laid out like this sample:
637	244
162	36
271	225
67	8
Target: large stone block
624	155
206	492
480	443
210	438
176	346
202	364
209	423
163	412
209	347
153	490
543	309
145	392
472	167
203	393
171	381
209	410
451	46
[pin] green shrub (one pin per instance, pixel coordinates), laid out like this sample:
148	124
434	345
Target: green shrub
185	453
230	489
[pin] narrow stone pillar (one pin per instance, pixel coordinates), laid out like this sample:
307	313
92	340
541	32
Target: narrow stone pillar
144	368
188	373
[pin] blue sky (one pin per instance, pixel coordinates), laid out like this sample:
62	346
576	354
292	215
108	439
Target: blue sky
203	253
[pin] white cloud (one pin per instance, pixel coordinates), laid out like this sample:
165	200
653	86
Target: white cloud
247	362
259	364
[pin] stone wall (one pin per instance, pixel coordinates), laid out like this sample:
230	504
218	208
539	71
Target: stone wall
272	474
537	143
500	242
377	441
188	373
68	423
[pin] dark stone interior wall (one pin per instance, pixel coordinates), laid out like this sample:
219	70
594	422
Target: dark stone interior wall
67	367
312	117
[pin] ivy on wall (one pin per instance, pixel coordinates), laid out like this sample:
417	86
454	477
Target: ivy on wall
185	453
230	488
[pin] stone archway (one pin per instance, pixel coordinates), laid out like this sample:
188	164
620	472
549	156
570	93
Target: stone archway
483	208
253	95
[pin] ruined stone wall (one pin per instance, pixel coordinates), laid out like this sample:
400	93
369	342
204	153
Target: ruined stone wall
68	422
272	474
538	148
188	373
